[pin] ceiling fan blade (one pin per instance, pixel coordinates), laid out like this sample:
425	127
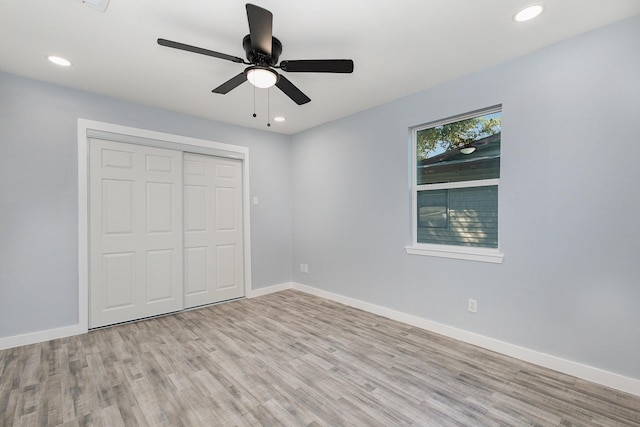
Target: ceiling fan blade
318	66
201	51
230	84
260	22
292	91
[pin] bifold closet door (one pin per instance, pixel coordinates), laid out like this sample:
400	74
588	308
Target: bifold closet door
213	249
135	211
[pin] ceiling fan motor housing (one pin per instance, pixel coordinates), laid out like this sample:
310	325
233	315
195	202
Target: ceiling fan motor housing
257	57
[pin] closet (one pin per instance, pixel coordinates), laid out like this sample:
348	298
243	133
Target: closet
165	231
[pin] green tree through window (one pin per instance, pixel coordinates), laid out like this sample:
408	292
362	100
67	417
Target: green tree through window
451	136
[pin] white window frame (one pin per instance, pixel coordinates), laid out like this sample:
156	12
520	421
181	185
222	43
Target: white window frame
492	255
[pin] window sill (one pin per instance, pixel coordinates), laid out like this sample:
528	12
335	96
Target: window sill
457	252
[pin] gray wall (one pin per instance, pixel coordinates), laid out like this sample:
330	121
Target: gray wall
569	204
39	200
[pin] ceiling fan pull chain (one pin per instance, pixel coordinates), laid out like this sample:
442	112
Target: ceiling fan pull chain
254	102
268	107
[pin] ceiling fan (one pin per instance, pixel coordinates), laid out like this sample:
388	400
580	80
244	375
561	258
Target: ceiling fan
263	51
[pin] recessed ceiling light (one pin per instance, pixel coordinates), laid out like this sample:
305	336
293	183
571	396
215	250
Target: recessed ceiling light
528	13
59	61
278	119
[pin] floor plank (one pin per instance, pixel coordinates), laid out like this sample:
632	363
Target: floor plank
291	359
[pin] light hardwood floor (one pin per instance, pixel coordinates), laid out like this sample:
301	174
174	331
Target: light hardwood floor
288	359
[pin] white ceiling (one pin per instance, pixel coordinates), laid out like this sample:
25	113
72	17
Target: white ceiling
399	48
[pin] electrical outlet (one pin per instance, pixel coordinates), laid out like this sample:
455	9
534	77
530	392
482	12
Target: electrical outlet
301	268
473	305
306	268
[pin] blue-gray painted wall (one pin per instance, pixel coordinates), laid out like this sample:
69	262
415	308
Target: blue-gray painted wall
39	195
569	204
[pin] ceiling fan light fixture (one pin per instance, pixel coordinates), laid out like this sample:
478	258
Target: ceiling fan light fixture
261	77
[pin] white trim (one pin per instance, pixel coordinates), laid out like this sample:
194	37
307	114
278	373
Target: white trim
145	134
129	134
451	119
457	252
446	251
585	372
269	290
67	331
83	227
41	336
459	184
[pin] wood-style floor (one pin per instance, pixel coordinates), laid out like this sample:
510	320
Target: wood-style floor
288	359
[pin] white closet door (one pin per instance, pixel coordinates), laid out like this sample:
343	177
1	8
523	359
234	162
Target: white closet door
135	232
213	253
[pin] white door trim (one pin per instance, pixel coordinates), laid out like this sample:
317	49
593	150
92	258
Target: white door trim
87	128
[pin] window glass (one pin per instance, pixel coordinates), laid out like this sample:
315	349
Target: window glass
465	150
456	183
460	216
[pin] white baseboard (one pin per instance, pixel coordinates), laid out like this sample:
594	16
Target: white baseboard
67	331
269	290
585	372
40	336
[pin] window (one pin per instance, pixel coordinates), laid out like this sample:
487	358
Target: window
455	187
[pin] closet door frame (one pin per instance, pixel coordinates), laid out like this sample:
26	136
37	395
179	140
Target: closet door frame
88	129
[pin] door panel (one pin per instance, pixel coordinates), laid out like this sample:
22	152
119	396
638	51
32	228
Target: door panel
195	264
195	199
225	209
159	276
118	278
159	203
226	256
117	159
165	231
214	269
117	202
157	163
135	243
